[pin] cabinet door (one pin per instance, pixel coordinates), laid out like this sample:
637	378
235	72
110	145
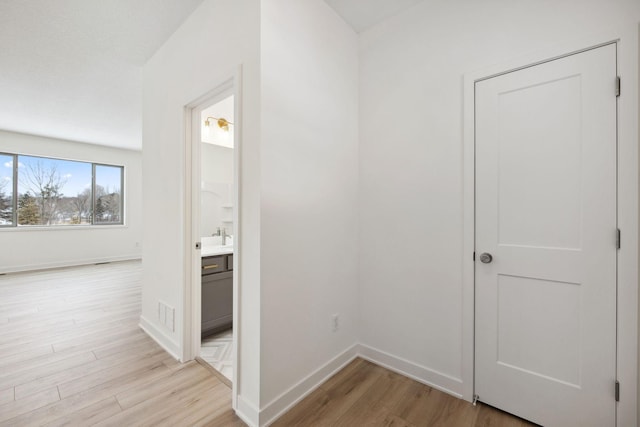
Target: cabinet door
213	264
217	302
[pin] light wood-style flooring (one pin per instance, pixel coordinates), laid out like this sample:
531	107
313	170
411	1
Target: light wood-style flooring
71	353
364	394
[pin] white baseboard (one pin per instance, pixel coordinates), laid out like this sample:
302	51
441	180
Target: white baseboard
281	404
160	337
66	263
247	412
424	375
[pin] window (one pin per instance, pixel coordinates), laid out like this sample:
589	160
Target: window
108	190
6	189
42	191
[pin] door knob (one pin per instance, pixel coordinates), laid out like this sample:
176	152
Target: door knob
486	258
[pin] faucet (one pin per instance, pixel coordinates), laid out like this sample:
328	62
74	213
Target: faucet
222	232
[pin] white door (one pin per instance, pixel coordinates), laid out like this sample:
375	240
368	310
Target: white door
546	213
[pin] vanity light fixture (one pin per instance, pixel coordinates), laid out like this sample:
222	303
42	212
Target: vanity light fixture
222	123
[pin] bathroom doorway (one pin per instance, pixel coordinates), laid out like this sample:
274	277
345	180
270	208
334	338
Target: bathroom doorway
216	229
210	302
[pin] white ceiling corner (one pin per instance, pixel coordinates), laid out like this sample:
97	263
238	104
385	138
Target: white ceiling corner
72	69
363	14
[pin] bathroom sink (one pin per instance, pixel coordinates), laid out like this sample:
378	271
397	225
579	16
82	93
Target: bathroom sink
216	241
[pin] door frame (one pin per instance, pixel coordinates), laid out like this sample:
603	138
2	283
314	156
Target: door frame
627	44
192	294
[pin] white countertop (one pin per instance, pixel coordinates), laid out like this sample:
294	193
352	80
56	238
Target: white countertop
216	250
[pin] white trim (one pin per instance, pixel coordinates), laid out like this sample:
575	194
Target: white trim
247	412
47	228
237	232
160	337
69	263
288	399
627	345
422	374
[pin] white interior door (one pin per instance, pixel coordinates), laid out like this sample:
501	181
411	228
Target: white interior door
546	212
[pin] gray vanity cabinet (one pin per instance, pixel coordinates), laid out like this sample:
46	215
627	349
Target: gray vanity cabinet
217	293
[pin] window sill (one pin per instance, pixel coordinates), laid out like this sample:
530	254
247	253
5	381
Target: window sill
62	228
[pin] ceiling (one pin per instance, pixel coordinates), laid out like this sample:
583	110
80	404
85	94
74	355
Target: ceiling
72	69
363	14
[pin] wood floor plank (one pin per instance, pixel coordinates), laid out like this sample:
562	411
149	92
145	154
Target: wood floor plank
19	356
16	331
97	377
78	401
65	328
228	418
418	404
329	402
192	374
18	407
137	344
7	395
209	405
79	375
89	415
90	339
491	417
373	408
154	411
16	378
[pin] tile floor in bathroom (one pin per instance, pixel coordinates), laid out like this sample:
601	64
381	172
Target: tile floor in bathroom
216	351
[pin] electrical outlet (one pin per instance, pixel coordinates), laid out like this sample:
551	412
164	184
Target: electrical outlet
335	322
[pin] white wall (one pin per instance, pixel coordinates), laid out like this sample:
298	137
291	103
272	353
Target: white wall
298	179
370	230
202	54
34	248
309	195
411	159
216	188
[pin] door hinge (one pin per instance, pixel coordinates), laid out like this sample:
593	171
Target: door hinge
474	256
618	238
618	86
617	391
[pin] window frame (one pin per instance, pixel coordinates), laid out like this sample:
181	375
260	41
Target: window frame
14	219
14	190
94	199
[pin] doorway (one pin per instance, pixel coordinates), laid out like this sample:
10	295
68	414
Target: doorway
210	332
545	240
217	234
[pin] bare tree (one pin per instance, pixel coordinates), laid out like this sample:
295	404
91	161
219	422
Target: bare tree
6	205
82	204
46	184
